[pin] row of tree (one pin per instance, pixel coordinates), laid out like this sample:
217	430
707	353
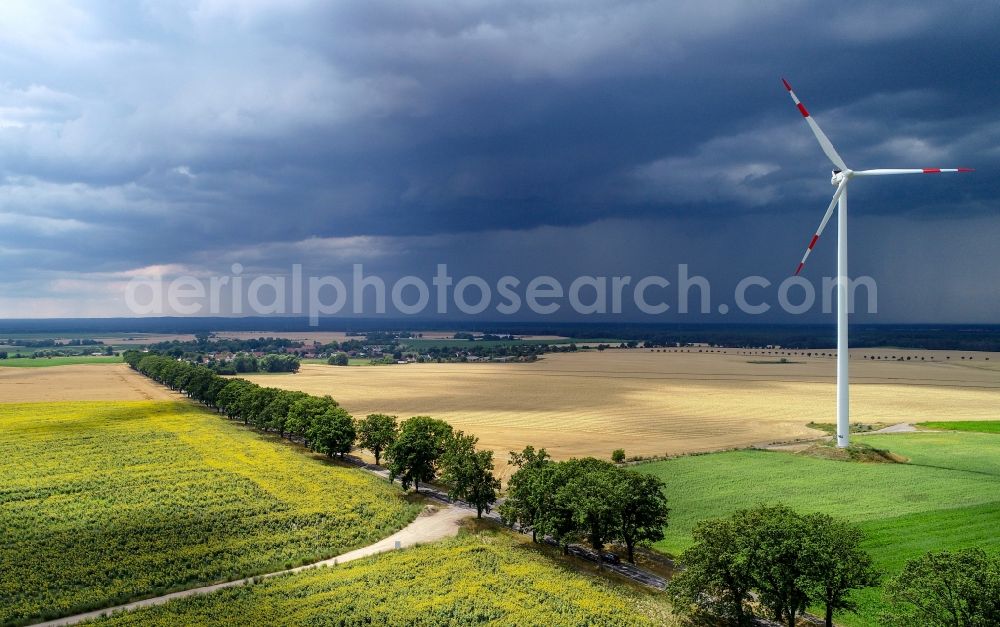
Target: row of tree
585	498
417	450
319	422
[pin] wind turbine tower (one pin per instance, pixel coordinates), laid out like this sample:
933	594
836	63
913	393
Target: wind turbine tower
842	175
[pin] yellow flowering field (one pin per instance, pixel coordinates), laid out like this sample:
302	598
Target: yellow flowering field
475	579
103	502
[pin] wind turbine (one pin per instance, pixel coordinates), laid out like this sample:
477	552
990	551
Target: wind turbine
842	175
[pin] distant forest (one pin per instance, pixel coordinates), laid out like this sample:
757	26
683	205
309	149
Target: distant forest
974	337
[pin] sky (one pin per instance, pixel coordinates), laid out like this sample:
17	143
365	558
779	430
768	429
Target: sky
568	139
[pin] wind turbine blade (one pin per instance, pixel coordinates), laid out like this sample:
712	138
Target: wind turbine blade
822	225
885	171
821	137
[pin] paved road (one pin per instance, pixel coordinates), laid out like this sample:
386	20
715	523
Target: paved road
428	527
903	427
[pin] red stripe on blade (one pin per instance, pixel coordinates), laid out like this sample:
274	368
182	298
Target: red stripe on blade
932	170
813	242
802	110
787	86
799	269
966	170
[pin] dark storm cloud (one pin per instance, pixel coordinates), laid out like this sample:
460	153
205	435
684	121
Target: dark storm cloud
189	132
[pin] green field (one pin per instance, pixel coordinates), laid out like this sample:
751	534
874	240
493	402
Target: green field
475	579
946	497
42	362
105	502
980	426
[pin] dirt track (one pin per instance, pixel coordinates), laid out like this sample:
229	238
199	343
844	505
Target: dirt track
428	527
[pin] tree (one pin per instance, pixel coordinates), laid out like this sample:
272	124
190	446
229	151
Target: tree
586	492
524	498
303	412
243	406
529	458
618	455
642	509
339	359
276	413
777	535
200	382
718	572
173	373
469	473
415	454
245	362
555	515
212	392
377	432
332	432
835	562
953	589
257	405
228	399
182	377
274	362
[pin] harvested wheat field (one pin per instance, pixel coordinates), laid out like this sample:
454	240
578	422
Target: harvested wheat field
652	403
92	382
